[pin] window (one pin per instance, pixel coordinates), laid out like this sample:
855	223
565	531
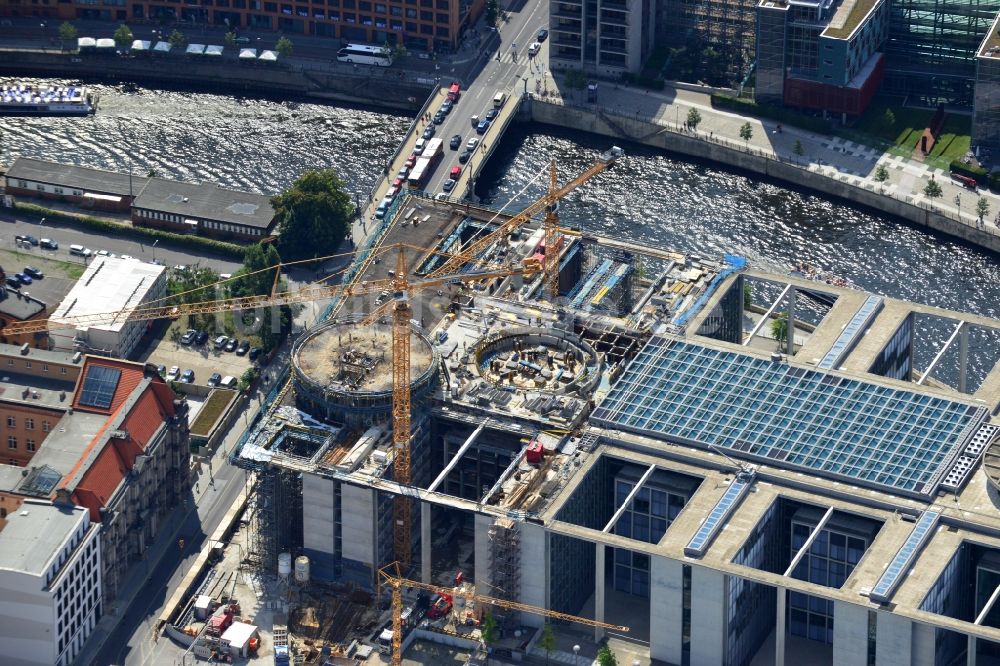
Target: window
29	424
12	442
30	445
10	362
11	422
27	364
45	367
46	426
62	371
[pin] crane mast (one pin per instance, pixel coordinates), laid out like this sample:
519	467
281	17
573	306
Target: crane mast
401	504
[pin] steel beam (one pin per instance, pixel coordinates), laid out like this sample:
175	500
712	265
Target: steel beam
809	542
628	500
767	315
458	456
937	357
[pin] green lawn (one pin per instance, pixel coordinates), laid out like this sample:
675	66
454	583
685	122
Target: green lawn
901	137
215	405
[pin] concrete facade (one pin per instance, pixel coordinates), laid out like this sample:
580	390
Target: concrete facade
850	634
708	616
319	523
666	615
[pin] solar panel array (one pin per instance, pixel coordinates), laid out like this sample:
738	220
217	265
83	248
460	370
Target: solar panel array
702	539
890	579
99	386
888	438
858	322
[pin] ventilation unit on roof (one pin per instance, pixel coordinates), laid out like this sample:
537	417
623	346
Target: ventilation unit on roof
119	434
25	348
77	356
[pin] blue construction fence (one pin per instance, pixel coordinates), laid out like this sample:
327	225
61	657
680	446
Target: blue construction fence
736	263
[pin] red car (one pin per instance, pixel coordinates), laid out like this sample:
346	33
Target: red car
455	172
411	160
399	182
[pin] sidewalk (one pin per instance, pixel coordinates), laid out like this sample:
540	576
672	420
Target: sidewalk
832	156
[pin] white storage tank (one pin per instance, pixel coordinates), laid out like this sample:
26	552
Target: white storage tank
301	569
284	564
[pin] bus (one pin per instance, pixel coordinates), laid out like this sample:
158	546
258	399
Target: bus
434	149
365	54
421	170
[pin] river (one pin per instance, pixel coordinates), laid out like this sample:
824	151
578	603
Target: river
261	145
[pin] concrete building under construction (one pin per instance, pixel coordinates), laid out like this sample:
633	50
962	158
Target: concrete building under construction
742	466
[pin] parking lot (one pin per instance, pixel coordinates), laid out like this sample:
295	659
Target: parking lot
59	275
203	359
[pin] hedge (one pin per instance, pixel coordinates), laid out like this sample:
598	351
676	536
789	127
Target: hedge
782	115
971	170
143	233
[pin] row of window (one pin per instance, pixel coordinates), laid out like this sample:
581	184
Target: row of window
363	5
41	188
28	366
12	443
233	228
29	424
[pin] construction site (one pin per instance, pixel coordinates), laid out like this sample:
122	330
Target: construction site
505	424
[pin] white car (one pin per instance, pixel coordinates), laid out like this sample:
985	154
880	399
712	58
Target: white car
473	143
127	256
105	253
173	373
534	49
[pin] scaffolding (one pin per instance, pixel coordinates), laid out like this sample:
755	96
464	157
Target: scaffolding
505	562
275	521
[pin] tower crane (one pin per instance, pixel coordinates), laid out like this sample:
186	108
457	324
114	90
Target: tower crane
551	222
391	576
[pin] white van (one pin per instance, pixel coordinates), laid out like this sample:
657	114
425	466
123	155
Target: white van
79	251
499	99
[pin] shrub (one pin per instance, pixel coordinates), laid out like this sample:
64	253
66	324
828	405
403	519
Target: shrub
141	233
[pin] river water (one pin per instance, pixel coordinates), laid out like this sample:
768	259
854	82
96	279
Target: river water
261	145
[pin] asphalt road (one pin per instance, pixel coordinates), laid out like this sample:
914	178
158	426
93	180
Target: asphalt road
66	235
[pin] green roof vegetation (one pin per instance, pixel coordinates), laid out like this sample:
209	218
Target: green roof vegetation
858	12
218	401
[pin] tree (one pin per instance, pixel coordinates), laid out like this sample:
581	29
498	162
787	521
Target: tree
152	174
254	279
694	119
605	657
547	641
746	132
881	176
747	296
314	215
488	631
779	327
230	38
248	377
123	36
798	149
492	12
932	189
284	47
982	208
67	33
888	120
177	39
192	285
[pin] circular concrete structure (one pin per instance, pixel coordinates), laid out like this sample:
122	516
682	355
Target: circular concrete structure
343	371
537	359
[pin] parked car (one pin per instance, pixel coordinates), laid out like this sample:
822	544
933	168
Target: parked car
22	278
231	345
411	160
455	142
33	272
429	132
12	283
402	174
447	106
455	172
48	244
201	338
448	185
464	157
173	373
534	49
243	348
543	34
419	146
105	253
30	240
189	337
220	342
188	376
214	379
255	352
492	113
439	117
472	143
161	370
483	126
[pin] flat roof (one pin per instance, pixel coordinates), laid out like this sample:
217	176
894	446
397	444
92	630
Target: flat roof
207	201
19	306
109	285
34	533
848	17
35	391
68	440
36	354
73	176
889	438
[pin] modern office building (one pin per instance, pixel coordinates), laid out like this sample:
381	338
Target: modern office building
110	284
821	55
603	37
986	103
831	501
727	27
431	25
930	56
50	583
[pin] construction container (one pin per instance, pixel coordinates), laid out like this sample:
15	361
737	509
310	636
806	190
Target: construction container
301	569
284	564
535	452
202	606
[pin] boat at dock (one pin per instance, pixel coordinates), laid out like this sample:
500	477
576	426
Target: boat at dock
28	100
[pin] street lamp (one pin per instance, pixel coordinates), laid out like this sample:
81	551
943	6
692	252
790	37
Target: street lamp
154	249
525	79
576	654
958	202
